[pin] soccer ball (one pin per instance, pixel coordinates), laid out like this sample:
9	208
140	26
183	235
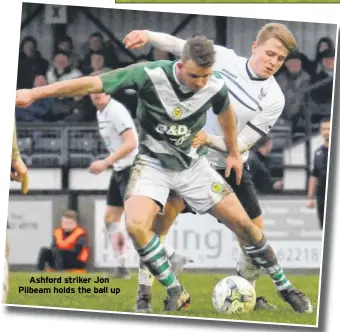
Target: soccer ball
234	295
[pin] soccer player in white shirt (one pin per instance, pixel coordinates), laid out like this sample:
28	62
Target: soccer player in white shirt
119	134
258	102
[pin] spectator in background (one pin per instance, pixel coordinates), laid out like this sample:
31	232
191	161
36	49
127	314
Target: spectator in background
320	99
312	67
96	44
31	63
40	110
69	250
318	177
293	82
61	68
98	61
66	44
323	94
259	165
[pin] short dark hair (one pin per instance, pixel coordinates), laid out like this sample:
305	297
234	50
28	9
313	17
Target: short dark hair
57	52
326	118
200	50
71	214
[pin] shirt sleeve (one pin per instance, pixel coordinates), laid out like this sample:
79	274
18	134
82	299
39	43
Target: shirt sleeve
223	55
221	100
265	120
131	77
315	172
80	244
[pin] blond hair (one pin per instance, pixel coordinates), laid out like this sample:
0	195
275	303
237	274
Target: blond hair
278	31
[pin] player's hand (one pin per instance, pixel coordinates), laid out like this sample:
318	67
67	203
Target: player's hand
136	39
278	185
19	173
24	98
311	203
200	139
98	166
234	162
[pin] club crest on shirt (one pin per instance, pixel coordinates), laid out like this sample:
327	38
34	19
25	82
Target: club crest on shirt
177	113
216	187
262	94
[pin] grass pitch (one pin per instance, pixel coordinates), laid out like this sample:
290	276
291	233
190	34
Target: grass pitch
200	287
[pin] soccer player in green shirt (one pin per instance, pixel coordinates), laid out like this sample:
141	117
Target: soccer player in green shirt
174	97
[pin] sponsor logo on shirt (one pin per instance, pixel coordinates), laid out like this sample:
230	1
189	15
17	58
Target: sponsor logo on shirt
230	74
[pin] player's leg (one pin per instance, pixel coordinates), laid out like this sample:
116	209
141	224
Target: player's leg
246	193
46	257
146	195
114	226
174	206
206	191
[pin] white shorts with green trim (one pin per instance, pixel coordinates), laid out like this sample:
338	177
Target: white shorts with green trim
200	185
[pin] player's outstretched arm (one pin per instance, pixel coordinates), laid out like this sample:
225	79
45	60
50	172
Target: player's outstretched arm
163	41
69	88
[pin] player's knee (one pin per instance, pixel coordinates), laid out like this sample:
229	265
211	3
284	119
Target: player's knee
136	227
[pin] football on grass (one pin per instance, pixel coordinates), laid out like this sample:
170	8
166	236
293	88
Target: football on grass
234	295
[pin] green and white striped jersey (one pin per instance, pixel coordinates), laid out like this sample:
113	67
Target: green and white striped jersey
169	115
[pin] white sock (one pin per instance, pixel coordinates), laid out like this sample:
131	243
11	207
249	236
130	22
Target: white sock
121	259
145	277
169	249
247	269
115	230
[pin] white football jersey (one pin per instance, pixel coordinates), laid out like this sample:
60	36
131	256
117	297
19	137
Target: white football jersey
113	120
257	102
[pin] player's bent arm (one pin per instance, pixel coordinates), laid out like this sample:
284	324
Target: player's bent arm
227	121
130	143
312	186
165	42
245	139
69	88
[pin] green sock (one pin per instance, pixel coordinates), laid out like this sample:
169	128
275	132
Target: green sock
279	279
155	259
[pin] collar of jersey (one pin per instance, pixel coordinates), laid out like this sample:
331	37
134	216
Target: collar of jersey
105	107
251	73
182	87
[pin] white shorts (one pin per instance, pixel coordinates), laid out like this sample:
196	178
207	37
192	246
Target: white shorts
200	185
